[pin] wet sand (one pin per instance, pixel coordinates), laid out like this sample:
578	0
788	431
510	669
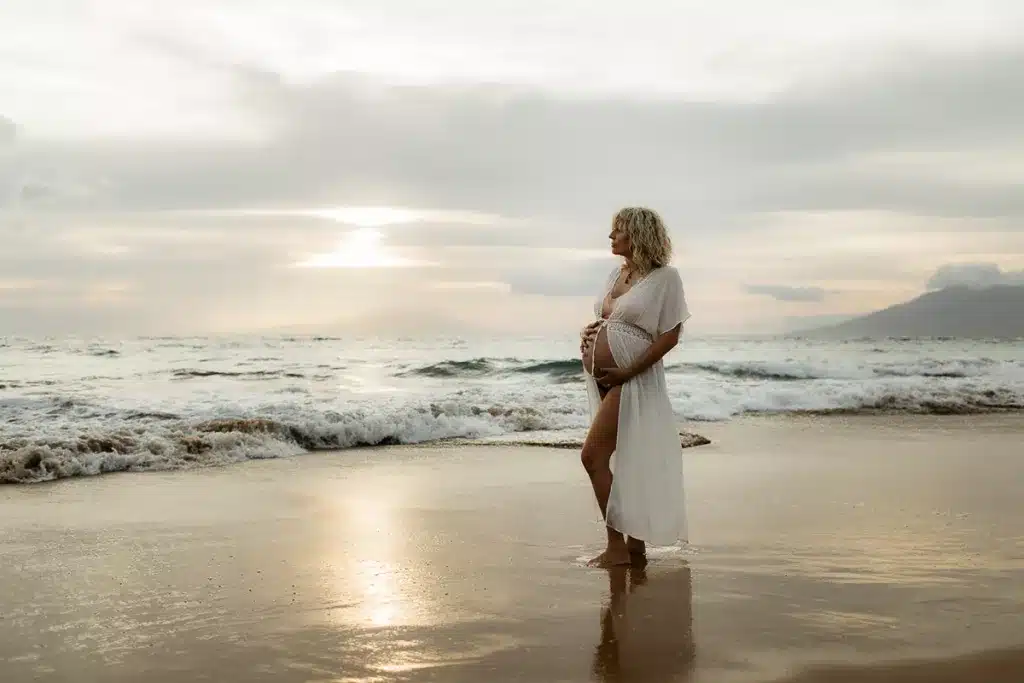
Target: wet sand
825	549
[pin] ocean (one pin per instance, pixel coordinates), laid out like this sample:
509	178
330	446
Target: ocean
86	407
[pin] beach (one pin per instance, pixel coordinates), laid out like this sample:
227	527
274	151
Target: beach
882	548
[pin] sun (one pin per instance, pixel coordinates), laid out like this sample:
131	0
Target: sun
368	216
358	249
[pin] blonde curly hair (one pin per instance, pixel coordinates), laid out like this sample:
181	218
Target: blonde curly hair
652	247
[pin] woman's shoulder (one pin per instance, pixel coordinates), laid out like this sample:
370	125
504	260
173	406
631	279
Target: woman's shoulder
667	278
667	271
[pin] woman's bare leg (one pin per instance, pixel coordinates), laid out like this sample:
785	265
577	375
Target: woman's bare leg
637	551
596	456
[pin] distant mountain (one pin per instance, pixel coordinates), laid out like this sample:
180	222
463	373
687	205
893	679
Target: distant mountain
964	312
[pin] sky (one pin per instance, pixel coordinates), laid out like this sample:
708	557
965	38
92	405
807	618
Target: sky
452	167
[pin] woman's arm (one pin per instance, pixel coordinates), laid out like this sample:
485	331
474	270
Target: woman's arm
661	346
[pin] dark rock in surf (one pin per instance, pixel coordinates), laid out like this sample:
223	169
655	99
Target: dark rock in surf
691	440
686	440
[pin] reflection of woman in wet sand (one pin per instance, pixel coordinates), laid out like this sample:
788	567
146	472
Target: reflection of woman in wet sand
640	314
646	627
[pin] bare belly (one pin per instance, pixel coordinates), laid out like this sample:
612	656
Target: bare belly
599	354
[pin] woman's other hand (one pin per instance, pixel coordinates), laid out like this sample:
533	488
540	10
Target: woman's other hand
612	377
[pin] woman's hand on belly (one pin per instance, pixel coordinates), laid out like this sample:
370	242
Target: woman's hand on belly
587	336
612	377
588	333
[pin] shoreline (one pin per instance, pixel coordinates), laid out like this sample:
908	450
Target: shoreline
820	550
23	472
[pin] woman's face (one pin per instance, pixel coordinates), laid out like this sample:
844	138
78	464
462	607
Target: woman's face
620	242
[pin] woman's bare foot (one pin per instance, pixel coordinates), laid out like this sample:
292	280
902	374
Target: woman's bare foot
618	557
637	549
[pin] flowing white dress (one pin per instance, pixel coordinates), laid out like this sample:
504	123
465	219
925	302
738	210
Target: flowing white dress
647	499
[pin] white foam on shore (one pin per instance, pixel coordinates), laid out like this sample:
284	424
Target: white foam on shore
655	554
78	409
53	438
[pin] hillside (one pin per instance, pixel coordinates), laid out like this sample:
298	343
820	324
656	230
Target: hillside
963	312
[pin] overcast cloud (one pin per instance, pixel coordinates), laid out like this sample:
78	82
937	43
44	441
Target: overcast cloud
162	176
974	275
783	293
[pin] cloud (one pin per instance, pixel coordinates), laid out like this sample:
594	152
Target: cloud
832	176
789	294
8	131
140	71
974	275
518	151
184	273
551	277
8	165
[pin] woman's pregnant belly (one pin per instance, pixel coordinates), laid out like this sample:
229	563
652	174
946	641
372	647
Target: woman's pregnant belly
629	345
599	354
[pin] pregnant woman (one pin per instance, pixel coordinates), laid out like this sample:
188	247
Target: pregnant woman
640	315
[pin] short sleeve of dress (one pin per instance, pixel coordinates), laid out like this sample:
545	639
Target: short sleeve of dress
674	310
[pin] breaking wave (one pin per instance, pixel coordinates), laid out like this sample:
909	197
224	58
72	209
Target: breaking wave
252	374
796	370
776	370
76	438
558	370
105	441
72	409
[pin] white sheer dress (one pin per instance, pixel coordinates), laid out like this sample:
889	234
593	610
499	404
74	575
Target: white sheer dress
647	499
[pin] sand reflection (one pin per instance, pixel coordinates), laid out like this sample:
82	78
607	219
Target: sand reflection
361	564
646	626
